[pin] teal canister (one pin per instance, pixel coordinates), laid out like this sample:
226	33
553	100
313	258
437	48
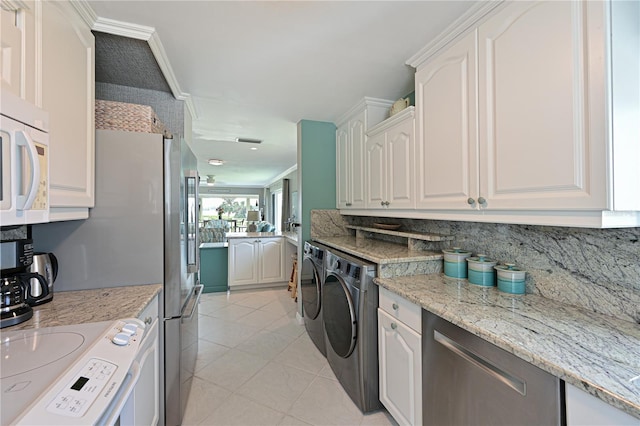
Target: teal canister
455	262
511	279
481	270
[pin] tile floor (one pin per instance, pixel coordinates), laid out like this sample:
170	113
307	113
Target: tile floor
257	366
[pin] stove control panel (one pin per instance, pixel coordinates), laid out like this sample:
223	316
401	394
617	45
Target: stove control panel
75	399
83	395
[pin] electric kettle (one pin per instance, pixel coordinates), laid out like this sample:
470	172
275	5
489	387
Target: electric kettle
45	265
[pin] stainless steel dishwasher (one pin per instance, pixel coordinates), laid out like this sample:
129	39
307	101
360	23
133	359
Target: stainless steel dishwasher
469	381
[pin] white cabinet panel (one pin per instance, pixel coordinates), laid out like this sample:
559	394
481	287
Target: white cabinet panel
400	170
375	170
446	146
19	56
584	409
243	262
400	369
350	151
389	159
540	145
343	167
271	254
68	95
256	261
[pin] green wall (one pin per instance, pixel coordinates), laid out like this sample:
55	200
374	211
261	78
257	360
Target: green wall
316	168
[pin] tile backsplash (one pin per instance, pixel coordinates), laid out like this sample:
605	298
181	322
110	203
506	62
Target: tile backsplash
596	269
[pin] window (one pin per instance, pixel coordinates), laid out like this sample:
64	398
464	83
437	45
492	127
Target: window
234	207
276	204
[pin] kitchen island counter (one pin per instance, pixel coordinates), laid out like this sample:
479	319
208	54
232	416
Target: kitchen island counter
596	353
85	306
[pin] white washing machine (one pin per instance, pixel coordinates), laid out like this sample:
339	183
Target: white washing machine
350	303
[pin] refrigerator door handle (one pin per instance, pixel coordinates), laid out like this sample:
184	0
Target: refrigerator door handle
198	293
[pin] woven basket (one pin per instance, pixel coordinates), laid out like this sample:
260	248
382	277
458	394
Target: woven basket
112	115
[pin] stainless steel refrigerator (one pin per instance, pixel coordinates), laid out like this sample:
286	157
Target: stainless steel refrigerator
142	230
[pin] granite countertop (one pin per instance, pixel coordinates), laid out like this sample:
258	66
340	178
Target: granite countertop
293	236
594	352
380	252
85	306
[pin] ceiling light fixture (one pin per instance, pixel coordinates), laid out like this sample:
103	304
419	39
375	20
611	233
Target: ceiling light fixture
216	162
253	148
248	140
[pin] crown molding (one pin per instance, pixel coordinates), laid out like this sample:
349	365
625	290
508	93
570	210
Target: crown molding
85	11
13	5
458	28
282	175
148	34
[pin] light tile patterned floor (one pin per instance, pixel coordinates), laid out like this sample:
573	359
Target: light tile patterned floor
257	366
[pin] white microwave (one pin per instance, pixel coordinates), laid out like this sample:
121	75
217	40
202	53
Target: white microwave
24	162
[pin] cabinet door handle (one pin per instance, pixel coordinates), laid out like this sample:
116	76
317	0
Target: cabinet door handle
348	204
382	203
394	325
386	203
482	200
470	201
493	370
395	306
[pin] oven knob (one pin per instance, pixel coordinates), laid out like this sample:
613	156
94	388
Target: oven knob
121	339
129	329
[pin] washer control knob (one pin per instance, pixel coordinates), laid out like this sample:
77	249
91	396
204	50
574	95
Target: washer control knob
121	339
129	329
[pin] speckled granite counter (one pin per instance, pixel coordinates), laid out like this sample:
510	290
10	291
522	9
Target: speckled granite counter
596	353
380	252
84	306
290	236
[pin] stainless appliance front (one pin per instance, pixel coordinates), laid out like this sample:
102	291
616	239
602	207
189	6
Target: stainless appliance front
137	234
312	275
350	302
469	381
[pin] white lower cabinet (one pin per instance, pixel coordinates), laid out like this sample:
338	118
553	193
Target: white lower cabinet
400	358
585	409
256	261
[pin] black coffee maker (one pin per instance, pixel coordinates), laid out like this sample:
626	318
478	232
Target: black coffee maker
15	288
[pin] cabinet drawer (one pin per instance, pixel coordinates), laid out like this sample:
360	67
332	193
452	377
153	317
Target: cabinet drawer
400	308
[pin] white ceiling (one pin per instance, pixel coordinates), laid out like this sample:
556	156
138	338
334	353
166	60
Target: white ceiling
254	69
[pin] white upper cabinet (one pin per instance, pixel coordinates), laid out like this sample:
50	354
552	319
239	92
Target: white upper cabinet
47	58
350	164
389	171
68	82
542	107
18	55
350	139
524	118
447	151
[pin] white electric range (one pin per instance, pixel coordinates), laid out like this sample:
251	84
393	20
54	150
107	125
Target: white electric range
68	375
